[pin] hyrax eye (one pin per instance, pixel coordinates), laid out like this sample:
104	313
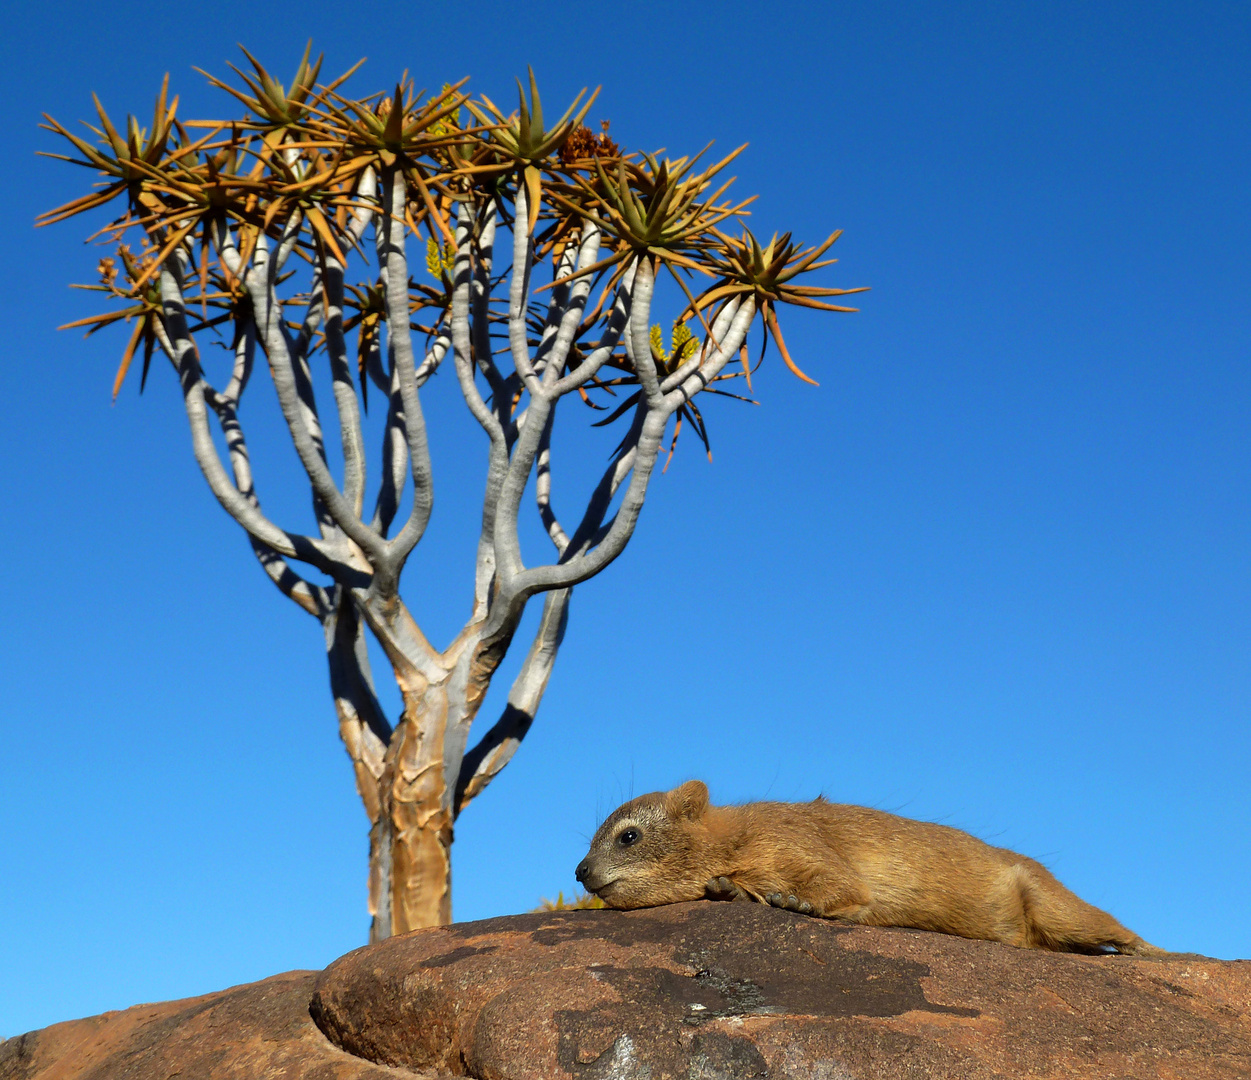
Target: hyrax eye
628	837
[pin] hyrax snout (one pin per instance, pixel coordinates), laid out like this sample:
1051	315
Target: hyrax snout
842	862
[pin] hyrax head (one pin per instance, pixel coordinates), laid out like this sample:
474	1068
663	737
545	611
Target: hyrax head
648	851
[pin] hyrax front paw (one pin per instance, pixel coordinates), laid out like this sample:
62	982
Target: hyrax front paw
788	901
722	888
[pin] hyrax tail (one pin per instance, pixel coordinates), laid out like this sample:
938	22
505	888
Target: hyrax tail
1059	920
1138	947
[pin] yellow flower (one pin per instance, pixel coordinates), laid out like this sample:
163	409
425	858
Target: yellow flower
684	343
439	261
657	342
443	127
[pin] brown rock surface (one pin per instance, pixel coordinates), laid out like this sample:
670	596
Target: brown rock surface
701	991
259	1030
694	991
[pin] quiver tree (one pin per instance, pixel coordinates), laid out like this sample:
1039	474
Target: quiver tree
247	229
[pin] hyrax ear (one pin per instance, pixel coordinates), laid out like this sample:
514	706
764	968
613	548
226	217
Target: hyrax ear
688	801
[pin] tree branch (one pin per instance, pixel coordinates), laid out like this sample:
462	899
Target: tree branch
467	344
362	725
739	316
395	440
294	397
327	288
639	340
483	763
588	532
470	285
720	325
654	411
618	319
345	399
186	361
416	662
543	487
519	291
508	561
312	598
361	217
565	314
484	255
389	232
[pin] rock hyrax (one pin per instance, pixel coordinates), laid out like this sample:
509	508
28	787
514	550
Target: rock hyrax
840	862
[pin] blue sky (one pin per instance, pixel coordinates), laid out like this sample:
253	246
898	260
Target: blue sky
995	571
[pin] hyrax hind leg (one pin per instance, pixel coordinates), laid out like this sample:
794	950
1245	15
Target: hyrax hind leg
1054	918
789	902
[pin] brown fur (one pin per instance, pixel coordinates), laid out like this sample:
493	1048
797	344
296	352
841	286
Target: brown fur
841	862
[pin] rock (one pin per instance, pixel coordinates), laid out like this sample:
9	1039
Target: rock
697	991
259	1030
708	990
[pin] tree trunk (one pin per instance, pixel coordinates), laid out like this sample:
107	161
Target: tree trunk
421	881
379	876
411	856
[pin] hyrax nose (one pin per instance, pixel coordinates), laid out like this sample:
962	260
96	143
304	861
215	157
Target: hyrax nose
581	872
